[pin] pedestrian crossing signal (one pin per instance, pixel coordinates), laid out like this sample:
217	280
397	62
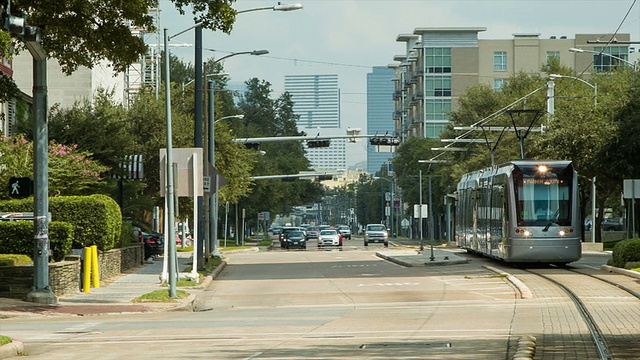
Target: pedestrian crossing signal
20	187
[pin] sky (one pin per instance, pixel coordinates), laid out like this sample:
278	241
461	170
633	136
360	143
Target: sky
349	37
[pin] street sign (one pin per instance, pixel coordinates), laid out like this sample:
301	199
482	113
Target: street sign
417	214
206	184
20	187
261	216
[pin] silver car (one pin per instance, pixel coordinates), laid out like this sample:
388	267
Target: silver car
376	233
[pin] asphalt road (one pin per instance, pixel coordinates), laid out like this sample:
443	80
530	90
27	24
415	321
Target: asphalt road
313	304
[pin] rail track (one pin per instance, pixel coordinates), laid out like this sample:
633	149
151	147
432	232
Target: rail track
585	313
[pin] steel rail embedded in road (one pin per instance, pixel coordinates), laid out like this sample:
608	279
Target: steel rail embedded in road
596	334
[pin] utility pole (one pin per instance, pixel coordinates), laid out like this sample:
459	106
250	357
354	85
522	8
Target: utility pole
18	28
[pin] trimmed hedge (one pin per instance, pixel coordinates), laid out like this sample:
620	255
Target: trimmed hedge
16	237
96	219
14	260
625	251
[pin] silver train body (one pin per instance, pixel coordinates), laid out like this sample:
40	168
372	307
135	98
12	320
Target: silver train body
524	211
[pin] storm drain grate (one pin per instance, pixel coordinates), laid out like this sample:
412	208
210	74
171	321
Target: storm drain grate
404	345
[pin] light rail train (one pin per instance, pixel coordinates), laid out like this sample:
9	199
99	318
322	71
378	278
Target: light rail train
523	211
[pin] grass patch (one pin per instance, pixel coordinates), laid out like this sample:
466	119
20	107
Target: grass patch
5	340
230	248
267	242
160	296
186	249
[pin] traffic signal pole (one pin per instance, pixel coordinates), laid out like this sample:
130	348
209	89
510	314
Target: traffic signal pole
41	291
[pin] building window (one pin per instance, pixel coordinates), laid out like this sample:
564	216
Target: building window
434	130
602	62
498	84
499	61
438	109
437	60
438	85
553	55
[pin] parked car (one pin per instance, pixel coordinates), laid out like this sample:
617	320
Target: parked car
153	244
285	231
295	239
613	224
345	231
376	233
329	237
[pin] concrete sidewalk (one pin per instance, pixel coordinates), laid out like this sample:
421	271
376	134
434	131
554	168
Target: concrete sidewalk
415	257
113	296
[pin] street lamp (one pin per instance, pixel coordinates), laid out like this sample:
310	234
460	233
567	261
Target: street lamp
211	156
240	116
278	7
594	86
430	208
632	64
199	93
169	194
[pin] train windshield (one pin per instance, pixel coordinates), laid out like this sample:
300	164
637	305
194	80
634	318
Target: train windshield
543	195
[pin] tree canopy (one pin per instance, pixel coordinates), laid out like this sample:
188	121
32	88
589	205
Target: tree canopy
84	33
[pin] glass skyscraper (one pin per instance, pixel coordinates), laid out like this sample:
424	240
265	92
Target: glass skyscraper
380	108
316	101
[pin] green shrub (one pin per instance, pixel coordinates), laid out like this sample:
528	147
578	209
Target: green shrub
625	251
96	218
126	235
16	237
14	260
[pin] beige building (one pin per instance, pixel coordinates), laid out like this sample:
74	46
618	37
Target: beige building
440	63
66	90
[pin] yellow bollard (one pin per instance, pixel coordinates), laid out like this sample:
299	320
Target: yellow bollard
94	266
86	273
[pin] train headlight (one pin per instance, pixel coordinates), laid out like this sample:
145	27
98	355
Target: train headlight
523	232
561	233
542	169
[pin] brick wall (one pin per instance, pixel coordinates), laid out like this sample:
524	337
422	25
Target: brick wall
65	276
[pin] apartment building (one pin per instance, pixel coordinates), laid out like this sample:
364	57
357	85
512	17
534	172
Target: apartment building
440	63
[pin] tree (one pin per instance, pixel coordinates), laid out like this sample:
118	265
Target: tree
267	117
71	171
83	33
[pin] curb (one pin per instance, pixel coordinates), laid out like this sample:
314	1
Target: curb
11	349
190	303
613	269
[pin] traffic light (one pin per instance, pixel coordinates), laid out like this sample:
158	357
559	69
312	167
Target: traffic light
289	179
318	143
17	26
385	140
20	187
324	177
252	146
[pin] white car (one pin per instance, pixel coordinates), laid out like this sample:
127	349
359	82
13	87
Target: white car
376	233
345	231
329	238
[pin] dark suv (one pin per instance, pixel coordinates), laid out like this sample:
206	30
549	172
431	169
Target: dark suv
613	224
284	232
153	244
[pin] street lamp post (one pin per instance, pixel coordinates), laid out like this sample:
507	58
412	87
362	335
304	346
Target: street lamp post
594	86
198	96
169	194
593	184
632	64
212	201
